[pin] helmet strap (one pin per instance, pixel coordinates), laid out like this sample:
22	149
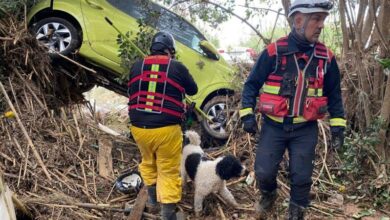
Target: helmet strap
300	32
170	53
299	38
305	23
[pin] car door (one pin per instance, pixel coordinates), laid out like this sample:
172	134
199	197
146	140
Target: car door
123	14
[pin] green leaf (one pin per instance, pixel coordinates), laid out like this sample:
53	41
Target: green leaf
384	62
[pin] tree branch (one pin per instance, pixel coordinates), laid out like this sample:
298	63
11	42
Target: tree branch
377	27
265	40
276	21
344	29
286	5
175	3
263	9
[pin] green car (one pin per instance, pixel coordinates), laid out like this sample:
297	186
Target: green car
69	26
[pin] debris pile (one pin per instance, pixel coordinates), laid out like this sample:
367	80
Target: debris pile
51	146
60	163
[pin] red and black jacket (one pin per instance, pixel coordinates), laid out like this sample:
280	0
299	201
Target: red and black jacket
294	88
156	91
278	72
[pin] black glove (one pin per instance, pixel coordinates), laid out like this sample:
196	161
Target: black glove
250	124
337	137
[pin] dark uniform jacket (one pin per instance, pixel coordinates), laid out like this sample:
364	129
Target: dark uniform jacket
266	64
178	73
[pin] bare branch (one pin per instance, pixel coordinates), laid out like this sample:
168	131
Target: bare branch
381	37
265	40
263	9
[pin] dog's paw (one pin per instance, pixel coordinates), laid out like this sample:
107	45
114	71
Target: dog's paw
198	214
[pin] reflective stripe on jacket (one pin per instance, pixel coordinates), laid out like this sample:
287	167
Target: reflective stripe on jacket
266	65
151	96
295	79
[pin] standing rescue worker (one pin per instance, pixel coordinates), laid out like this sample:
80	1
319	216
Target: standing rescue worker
300	82
157	88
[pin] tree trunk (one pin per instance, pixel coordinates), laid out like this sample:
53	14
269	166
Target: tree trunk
378	87
369	22
384	29
359	22
344	28
286	5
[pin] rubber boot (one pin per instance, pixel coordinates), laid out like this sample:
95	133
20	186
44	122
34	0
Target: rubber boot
296	212
264	206
152	205
168	211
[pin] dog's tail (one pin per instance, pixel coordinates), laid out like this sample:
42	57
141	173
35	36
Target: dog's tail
193	137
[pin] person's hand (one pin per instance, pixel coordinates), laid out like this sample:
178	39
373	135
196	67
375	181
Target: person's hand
250	124
337	133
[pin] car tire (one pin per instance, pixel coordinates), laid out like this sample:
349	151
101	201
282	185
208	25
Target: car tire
57	34
220	110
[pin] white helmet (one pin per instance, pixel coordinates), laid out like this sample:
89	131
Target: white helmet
310	6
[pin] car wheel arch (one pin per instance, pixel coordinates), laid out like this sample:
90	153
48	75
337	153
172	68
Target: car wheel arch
219	92
60	14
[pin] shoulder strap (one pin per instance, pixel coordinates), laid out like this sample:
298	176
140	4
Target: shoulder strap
281	46
320	51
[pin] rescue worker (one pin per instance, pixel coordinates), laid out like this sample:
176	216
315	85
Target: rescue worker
300	82
156	91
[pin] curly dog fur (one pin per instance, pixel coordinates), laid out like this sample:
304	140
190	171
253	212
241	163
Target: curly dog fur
208	175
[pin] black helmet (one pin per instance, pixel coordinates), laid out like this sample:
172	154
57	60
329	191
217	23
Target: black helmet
163	40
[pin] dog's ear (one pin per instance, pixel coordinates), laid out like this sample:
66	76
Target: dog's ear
228	167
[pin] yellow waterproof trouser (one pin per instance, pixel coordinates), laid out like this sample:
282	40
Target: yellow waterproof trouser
161	156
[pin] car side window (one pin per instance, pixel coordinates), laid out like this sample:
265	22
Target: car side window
182	31
138	9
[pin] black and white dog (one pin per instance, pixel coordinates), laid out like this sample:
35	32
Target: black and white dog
208	175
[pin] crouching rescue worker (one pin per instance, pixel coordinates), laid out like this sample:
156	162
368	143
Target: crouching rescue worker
300	82
156	91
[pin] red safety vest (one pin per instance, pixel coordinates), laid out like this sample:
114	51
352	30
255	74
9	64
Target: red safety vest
151	96
290	91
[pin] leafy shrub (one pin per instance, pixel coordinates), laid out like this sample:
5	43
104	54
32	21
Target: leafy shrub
128	54
15	7
359	159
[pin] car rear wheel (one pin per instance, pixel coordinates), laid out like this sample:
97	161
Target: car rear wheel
58	35
223	117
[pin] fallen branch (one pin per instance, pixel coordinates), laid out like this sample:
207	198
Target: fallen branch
223	217
74	62
30	143
108	130
6	38
324	166
139	206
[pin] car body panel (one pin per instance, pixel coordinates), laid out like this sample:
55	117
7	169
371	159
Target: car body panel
100	47
203	95
103	37
40	6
